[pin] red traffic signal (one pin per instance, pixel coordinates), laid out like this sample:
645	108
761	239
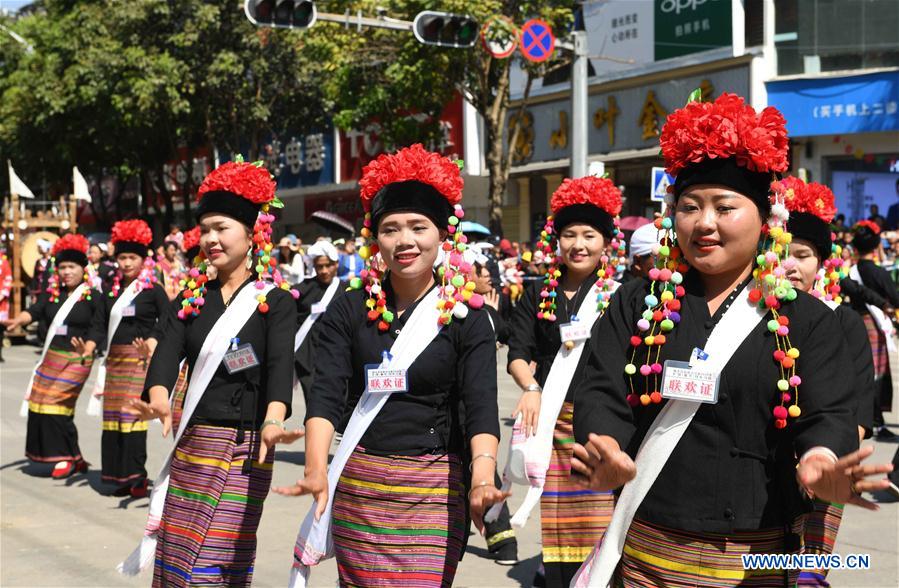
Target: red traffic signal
284	14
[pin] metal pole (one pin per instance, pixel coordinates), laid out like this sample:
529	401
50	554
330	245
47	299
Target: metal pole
579	105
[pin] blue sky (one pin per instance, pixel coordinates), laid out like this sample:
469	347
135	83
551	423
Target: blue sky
13	4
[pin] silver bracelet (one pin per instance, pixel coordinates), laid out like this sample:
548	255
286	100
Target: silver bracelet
476	457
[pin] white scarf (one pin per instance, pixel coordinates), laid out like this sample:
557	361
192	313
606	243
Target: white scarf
880	318
663	436
528	461
304	329
95	405
314	541
57	321
208	361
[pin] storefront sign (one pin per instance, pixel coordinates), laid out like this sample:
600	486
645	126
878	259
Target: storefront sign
829	106
297	160
622	120
628	32
358	147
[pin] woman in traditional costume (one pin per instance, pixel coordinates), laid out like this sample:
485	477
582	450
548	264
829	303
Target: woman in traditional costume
582	240
876	311
136	311
69	307
409	346
699	367
235	332
815	266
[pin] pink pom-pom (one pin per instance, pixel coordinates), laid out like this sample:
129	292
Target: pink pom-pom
795	380
194	272
780	412
643	324
476	301
645	370
654	274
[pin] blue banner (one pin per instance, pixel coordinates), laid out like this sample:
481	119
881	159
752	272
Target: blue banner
832	106
296	160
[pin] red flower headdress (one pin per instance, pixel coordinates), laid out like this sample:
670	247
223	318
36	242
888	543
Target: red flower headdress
70	242
191	240
813	198
727	127
603	194
133	231
138	232
874	227
254	183
443	174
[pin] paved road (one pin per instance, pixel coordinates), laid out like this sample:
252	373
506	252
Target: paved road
67	533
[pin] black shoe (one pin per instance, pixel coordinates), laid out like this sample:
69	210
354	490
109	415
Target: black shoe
507	555
884	434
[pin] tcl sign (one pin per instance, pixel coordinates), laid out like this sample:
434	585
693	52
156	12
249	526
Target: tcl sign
358	147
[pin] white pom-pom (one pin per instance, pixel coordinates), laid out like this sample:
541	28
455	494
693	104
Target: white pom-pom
780	212
460	311
376	289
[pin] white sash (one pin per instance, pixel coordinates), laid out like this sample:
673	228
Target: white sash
528	462
310	320
208	361
880	318
663	436
95	405
58	320
314	541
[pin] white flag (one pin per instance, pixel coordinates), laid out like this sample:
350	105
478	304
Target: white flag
81	191
16	185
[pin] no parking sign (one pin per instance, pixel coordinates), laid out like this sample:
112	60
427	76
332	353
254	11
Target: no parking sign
536	40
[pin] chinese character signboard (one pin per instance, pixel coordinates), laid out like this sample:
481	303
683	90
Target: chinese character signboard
634	32
297	160
359	146
687	26
829	106
630	118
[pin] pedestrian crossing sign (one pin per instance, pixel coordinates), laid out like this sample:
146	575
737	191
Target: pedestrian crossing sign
660	183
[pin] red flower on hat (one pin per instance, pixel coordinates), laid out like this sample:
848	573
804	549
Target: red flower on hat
71	241
191	238
874	227
411	163
600	192
136	231
813	198
248	180
727	127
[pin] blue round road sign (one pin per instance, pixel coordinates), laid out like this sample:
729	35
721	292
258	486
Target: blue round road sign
536	40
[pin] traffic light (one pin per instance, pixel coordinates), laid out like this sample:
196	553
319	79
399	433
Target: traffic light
283	14
445	29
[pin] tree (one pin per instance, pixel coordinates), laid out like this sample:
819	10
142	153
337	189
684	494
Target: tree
386	73
118	88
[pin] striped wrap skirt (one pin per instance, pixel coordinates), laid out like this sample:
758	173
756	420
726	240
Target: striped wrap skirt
656	556
819	537
572	518
124	439
399	521
51	435
878	341
207	534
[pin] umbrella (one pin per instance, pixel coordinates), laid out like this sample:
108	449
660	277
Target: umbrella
632	223
329	220
470	228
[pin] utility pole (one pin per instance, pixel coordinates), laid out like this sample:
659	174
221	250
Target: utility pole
577	44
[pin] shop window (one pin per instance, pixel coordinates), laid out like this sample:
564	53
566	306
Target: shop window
814	36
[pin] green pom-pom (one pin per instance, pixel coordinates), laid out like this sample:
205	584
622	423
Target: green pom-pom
356	283
458	281
387	316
